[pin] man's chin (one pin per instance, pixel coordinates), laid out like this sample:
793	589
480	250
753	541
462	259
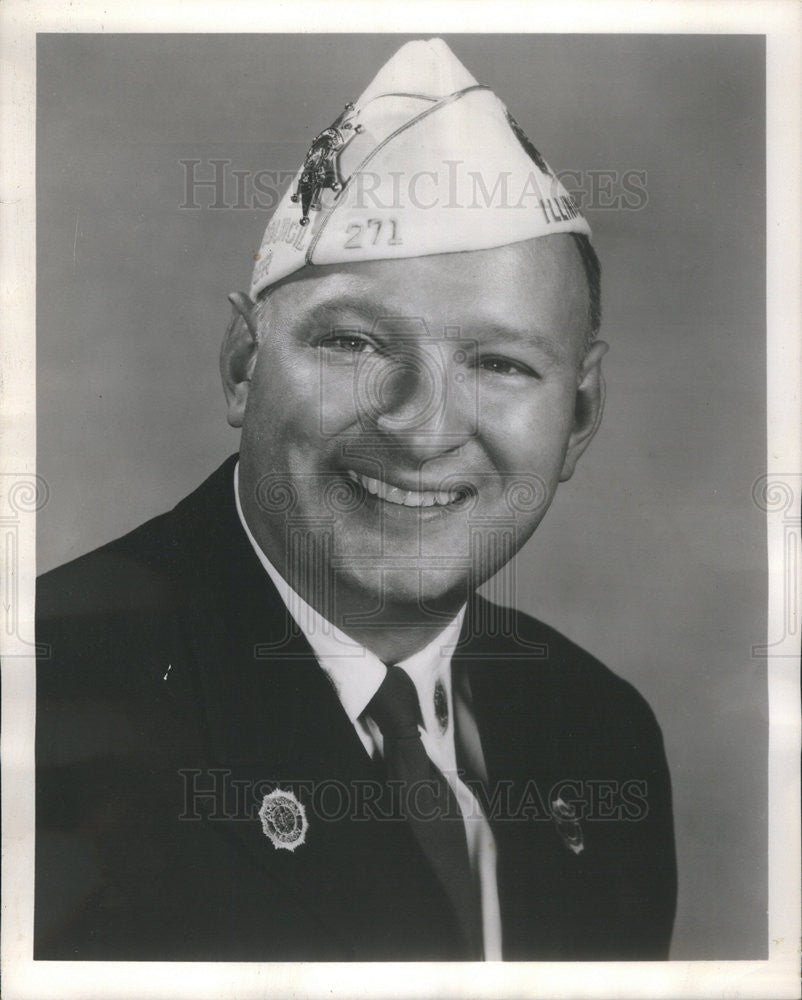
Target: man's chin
402	592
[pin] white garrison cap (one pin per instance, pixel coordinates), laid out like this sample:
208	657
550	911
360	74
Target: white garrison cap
426	161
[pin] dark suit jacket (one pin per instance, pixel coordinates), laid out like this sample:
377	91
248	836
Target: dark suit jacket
174	670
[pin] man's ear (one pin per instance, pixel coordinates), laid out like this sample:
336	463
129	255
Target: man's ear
238	355
588	407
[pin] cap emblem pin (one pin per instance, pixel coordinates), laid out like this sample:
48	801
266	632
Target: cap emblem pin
319	170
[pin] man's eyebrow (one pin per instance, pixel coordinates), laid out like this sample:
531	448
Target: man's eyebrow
527	338
329	313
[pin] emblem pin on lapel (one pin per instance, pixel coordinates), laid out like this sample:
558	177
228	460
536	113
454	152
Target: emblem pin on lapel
564	816
284	820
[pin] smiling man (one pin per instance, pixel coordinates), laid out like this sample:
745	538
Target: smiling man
431	434
278	722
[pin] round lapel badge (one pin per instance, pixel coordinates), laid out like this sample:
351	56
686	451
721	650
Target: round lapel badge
284	820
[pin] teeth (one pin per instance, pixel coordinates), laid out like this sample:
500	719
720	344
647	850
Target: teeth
405	498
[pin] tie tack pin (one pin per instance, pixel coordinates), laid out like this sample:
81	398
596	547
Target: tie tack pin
320	168
441	706
564	816
284	821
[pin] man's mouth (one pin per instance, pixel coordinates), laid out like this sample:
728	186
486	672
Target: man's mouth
408	498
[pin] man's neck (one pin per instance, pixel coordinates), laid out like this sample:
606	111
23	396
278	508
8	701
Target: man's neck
395	640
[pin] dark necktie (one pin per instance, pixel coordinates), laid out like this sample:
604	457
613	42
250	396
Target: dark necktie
427	801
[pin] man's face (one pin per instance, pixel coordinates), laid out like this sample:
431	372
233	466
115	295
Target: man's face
407	422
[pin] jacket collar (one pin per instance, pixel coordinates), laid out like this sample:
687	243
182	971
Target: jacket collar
277	694
268	712
270	716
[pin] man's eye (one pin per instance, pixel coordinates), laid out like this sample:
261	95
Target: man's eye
503	366
354	343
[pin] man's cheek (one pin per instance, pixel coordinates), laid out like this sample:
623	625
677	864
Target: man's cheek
337	404
541	431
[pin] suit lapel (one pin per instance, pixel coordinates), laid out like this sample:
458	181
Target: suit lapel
270	716
516	705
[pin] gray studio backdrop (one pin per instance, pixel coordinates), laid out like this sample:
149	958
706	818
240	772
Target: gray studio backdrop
652	557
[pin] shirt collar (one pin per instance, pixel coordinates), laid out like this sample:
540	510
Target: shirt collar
354	670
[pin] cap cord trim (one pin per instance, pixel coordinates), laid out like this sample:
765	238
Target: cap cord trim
402	93
450	99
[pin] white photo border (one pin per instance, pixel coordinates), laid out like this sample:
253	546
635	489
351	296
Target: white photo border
775	978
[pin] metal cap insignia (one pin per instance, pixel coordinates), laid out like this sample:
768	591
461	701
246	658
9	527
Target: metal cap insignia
319	170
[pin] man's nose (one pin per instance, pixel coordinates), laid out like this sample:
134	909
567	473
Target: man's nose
424	401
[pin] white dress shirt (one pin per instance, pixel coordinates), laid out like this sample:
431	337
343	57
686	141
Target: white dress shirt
356	674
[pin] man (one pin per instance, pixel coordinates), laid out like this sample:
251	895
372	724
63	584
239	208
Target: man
278	723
